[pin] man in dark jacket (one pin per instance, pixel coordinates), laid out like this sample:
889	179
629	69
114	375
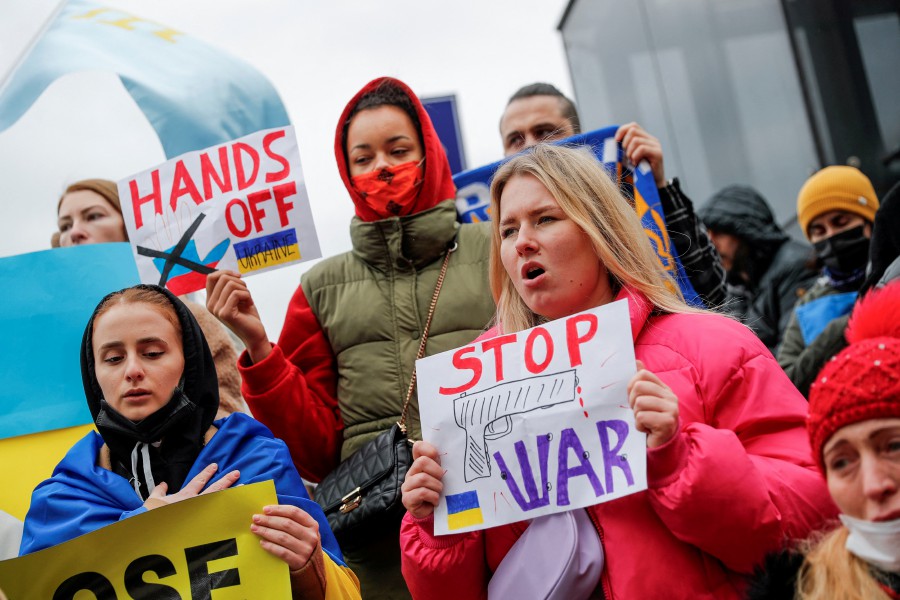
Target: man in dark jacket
766	270
539	112
838	210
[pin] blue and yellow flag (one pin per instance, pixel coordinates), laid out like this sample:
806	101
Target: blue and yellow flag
274	249
473	198
463	510
194	95
42	407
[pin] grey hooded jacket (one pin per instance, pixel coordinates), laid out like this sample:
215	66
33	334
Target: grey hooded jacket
777	270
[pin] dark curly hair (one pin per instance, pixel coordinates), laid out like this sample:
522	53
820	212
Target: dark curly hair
386	94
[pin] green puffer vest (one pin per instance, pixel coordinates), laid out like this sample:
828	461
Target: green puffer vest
372	304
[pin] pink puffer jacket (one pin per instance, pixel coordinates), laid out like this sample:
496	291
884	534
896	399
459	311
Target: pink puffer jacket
734	484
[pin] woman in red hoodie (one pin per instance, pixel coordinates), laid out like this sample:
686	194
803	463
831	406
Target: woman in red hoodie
729	470
339	374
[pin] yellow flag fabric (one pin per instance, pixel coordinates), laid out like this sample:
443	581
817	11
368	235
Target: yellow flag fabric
30	459
342	583
189	548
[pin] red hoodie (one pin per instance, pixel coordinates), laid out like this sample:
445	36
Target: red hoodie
294	389
438	182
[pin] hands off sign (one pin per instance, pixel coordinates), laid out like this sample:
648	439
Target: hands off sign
535	422
240	206
184	550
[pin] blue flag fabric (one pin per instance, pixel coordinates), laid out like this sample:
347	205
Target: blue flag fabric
50	297
473	198
194	95
813	317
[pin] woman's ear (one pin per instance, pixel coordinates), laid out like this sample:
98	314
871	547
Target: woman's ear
54	240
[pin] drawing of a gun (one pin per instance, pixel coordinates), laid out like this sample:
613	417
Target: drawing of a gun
485	415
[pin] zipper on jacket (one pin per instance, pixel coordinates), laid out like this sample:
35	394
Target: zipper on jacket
604	576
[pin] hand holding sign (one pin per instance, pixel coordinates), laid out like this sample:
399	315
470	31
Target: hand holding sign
202	548
159	498
655	407
287	533
422	486
229	299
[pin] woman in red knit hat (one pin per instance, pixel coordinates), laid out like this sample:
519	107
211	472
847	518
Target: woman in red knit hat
854	428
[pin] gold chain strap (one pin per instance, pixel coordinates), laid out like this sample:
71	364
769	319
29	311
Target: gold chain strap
421	352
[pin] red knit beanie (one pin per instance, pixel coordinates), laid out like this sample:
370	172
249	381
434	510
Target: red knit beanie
863	381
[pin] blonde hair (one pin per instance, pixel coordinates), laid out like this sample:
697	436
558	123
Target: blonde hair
105	188
587	195
831	572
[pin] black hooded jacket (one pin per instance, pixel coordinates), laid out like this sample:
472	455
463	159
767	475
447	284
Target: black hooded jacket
778	269
885	245
776	577
172	437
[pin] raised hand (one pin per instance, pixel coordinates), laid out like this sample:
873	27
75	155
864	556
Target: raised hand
640	145
229	299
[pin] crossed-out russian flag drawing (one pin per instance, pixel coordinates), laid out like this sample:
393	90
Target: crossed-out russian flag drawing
183	280
463	510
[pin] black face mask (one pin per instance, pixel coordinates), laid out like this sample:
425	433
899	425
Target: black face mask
741	271
844	252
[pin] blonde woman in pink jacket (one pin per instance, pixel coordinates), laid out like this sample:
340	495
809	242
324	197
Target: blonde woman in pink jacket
729	468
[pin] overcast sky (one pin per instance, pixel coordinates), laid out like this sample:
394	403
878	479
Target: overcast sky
317	54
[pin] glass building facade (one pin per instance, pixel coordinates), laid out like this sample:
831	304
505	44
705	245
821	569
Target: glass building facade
758	92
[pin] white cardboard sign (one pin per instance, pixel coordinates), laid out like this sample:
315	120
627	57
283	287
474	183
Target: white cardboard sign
535	422
241	206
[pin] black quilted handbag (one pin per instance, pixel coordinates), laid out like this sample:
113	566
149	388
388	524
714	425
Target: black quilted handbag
362	495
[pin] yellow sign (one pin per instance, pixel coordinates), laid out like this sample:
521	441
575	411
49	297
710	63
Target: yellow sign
184	550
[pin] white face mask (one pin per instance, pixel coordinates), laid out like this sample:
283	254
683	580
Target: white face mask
877	543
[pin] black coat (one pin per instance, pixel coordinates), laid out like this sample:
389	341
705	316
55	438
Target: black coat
776	578
774	269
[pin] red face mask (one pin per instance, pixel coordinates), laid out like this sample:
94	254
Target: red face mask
391	191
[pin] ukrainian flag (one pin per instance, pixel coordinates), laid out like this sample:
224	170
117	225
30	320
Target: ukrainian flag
463	510
55	293
267	251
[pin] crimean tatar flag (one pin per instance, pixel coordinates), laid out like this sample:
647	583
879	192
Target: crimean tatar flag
194	95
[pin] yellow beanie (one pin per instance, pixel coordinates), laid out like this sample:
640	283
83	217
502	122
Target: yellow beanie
836	188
